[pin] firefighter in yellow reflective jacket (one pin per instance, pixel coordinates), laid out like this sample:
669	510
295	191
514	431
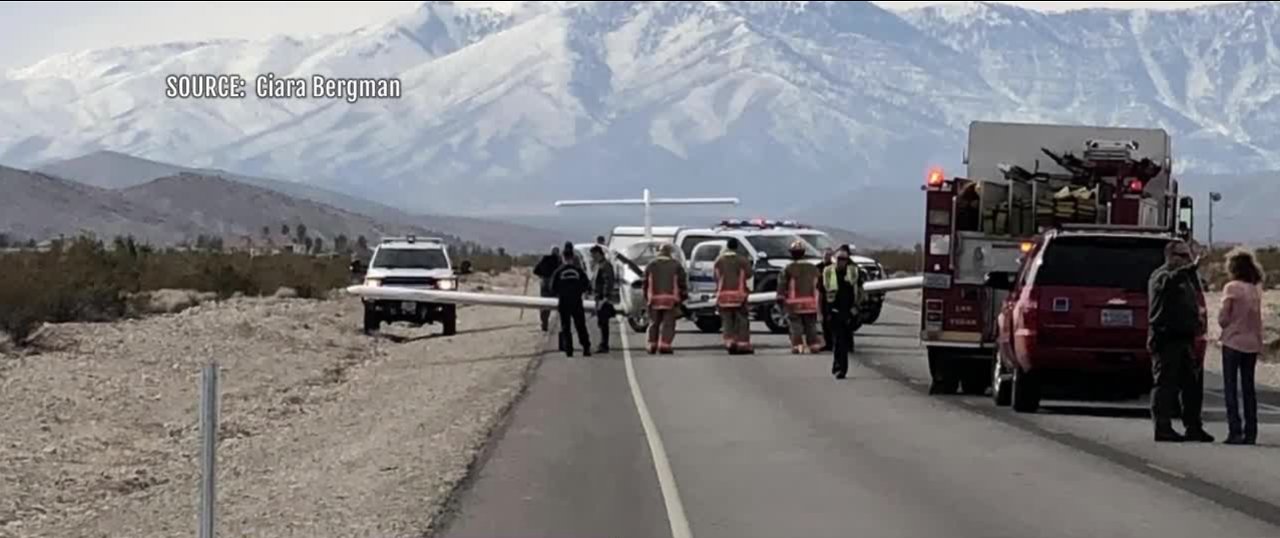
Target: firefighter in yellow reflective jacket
842	281
666	287
732	272
798	292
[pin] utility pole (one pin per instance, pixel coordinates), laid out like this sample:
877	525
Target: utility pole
1213	197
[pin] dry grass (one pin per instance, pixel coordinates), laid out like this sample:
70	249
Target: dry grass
325	432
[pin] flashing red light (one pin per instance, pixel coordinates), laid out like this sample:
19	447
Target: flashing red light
1135	185
935	177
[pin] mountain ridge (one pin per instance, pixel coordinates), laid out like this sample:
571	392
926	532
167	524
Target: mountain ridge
795	105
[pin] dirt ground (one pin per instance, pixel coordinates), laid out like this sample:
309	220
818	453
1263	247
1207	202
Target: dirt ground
325	432
1268	371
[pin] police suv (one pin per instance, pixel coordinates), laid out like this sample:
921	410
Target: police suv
412	262
767	244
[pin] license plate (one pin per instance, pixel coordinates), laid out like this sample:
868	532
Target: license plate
409	306
1117	318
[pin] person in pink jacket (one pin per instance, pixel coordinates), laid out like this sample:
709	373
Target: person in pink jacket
1241	322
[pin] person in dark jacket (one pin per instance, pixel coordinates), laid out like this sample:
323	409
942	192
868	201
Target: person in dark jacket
843	284
1174	322
545	268
823	308
605	286
570	284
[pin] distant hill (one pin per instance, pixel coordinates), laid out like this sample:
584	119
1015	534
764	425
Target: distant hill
39	206
113	170
176	208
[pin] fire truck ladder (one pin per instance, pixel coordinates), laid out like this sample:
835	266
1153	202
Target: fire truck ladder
1087	189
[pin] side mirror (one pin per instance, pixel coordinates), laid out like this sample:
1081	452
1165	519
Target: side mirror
1186	217
1000	280
358	268
465	268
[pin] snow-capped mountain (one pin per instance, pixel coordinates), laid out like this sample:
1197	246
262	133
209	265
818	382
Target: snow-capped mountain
509	105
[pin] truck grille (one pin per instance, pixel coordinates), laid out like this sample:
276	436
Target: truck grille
409	281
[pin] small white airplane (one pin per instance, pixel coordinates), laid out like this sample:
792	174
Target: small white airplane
630	273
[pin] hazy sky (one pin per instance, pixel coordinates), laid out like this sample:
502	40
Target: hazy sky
30	31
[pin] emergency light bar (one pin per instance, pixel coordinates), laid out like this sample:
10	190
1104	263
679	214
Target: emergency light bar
411	239
761	223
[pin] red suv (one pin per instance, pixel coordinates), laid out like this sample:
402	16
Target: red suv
1074	323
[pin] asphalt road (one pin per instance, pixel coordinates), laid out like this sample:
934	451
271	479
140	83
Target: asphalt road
771	445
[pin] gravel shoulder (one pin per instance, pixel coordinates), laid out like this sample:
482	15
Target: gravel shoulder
325	432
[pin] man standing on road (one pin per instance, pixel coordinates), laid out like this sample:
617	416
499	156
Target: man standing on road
732	272
798	292
666	287
545	268
570	284
824	309
605	286
843	284
1175	320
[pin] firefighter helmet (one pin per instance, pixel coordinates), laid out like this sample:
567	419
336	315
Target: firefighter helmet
797	246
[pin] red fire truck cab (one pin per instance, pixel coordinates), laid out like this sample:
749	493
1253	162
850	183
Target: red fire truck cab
1025	183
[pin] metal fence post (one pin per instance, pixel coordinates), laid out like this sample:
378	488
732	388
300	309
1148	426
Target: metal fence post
208	447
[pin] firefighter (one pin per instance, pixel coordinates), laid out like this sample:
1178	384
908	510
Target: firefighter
605	287
798	292
570	284
842	281
732	272
666	287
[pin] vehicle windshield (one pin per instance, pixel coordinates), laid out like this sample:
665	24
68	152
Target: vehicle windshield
1124	263
778	246
410	259
642	253
819	241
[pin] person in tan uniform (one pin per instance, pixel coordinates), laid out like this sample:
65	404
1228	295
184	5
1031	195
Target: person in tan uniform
666	287
798	293
732	272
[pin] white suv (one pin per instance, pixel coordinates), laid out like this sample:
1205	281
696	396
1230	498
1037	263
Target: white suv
412	262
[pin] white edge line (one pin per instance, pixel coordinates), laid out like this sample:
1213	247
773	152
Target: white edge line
1165	470
666	479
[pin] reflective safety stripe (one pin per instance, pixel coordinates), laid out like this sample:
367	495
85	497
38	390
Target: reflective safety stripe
802	305
664	301
731	297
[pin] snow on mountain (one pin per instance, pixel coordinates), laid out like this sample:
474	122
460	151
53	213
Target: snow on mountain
509	105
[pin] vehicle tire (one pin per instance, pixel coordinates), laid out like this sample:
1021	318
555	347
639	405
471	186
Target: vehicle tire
872	314
775	318
707	324
449	319
942	369
1026	392
976	378
371	321
639	324
1001	385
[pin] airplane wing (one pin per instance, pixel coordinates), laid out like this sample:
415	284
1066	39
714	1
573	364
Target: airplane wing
547	303
885	285
393	293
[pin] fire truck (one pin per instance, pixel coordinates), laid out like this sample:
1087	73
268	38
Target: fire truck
1023	180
